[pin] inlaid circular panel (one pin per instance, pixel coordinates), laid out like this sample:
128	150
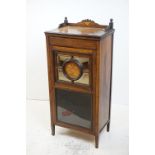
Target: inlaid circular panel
72	69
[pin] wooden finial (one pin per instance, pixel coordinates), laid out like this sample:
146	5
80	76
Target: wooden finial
66	21
111	24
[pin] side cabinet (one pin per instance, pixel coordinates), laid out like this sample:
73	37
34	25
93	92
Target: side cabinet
79	57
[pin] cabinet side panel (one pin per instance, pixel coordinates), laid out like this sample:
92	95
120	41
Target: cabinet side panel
50	65
105	77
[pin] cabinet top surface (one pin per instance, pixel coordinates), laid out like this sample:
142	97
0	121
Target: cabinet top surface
78	30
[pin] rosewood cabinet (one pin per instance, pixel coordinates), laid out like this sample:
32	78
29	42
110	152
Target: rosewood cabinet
79	57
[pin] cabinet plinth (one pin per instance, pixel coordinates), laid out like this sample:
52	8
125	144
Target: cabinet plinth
79	58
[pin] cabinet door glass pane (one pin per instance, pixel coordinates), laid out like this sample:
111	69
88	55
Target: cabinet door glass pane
84	63
74	107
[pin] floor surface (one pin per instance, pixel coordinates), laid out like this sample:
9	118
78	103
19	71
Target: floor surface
70	142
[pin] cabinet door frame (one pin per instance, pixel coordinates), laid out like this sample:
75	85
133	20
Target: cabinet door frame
69	124
79	88
73	52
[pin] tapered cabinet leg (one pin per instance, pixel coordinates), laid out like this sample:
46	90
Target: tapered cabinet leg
53	129
108	127
96	141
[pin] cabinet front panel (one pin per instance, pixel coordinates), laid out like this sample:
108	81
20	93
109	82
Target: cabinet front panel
74	108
